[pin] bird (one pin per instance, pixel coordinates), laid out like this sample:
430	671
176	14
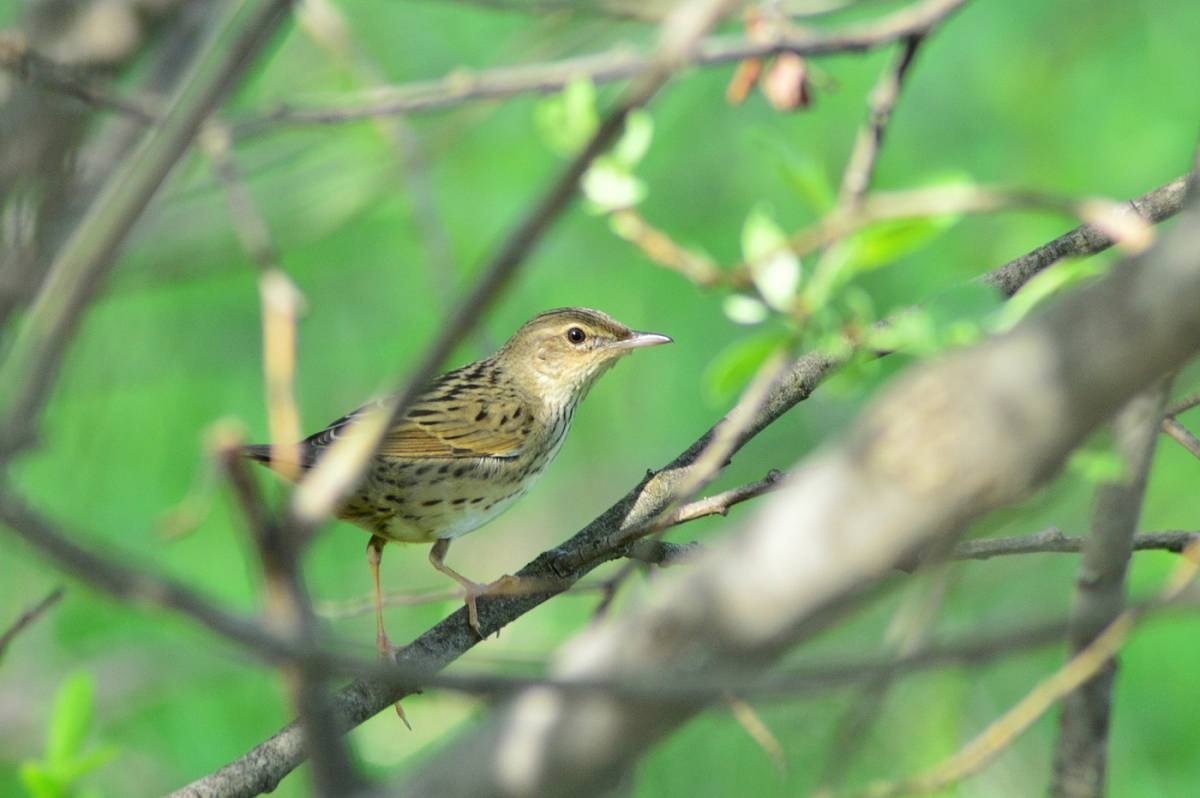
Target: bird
473	442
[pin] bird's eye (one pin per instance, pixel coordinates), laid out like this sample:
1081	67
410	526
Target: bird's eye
576	335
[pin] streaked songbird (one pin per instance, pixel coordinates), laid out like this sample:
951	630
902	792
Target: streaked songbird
475	441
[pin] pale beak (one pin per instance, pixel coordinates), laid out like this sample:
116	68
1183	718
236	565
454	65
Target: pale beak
640	340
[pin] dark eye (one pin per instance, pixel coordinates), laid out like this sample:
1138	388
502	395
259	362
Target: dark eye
576	335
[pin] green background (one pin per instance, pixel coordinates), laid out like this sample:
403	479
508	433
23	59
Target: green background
1075	97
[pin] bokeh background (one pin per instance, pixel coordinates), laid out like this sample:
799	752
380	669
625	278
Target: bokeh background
1078	97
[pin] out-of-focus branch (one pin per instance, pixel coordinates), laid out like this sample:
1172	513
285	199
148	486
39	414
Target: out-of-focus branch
290	613
952	440
17	57
1154	206
1181	435
31	365
26	618
618	64
857	177
1052	541
1081	755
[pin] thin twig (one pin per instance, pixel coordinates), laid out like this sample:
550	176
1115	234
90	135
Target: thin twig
861	165
1181	435
26	618
1184	404
617	64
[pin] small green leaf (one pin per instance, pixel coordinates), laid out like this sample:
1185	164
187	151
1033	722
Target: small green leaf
733	366
884	243
69	721
609	186
635	140
742	309
38	783
567	120
774	268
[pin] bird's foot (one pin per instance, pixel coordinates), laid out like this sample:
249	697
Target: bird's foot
384	646
506	585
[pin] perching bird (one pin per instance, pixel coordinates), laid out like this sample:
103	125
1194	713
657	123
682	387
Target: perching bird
475	441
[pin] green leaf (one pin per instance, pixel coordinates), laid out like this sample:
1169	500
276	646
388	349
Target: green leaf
38	783
96	758
884	243
1042	287
734	365
635	140
69	721
742	309
774	268
567	120
609	186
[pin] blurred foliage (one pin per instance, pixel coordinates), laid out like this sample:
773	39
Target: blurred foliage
1075	97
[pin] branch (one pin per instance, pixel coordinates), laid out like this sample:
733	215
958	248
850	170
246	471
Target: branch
1155	206
19	59
857	177
620	63
1052	541
26	618
1081	754
31	365
947	443
1181	435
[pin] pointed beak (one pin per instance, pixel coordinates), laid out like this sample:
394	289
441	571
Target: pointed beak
640	340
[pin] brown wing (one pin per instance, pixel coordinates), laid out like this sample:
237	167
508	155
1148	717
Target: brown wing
446	422
457	428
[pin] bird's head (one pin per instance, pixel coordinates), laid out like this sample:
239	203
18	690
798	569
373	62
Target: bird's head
563	351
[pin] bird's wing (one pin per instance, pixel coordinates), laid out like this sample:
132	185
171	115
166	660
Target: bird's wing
443	424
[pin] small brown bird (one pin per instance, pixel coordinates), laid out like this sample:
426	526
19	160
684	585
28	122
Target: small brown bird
475	441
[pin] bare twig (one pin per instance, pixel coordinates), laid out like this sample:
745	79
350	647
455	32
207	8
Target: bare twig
26	618
1181	435
18	58
31	365
617	64
857	177
1051	541
1082	751
1183	405
1154	206
1078	670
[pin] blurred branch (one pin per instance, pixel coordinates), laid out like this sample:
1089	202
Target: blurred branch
1081	756
617	64
18	58
1052	541
32	362
1084	665
949	441
1183	405
26	618
861	165
1181	435
290	613
1154	206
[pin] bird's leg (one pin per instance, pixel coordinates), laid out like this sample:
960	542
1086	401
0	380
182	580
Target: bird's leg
472	589
374	557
